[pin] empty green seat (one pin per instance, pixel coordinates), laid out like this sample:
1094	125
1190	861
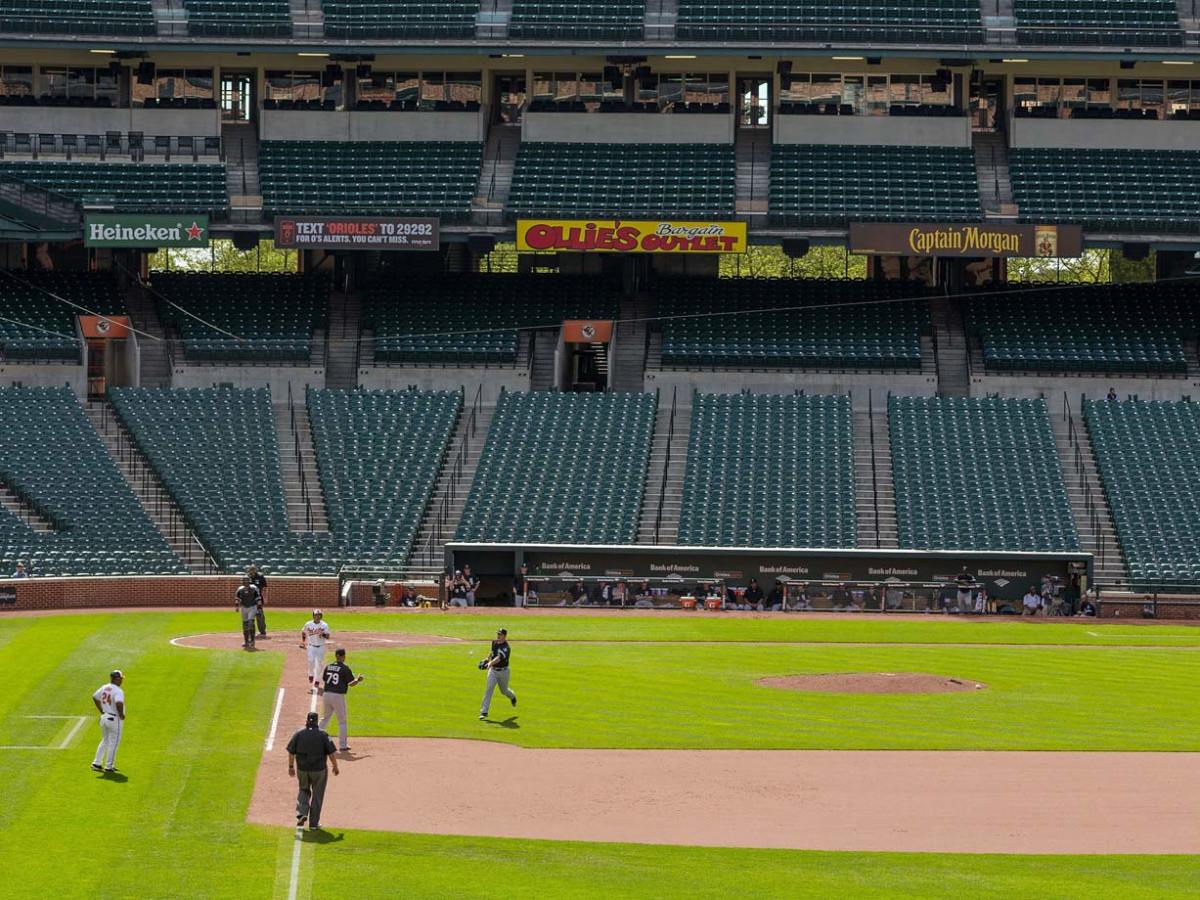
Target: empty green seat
1139	23
52	461
35	325
831	185
1098	328
277	325
618	20
978	474
118	17
1148	457
769	471
473	319
248	18
379	454
757	323
184	188
561	469
387	18
650	181
386	178
936	21
1133	190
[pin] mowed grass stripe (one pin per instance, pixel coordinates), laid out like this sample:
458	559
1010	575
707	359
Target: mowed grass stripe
705	696
425	866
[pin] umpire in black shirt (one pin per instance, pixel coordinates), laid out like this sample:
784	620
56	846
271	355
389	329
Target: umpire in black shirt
308	751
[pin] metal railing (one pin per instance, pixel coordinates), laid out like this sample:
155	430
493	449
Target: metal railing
304	490
874	459
41	201
1093	502
457	464
662	490
153	496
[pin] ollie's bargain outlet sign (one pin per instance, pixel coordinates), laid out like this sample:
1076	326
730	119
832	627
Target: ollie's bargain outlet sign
621	236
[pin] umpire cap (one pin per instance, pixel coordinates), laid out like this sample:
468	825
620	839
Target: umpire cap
312	719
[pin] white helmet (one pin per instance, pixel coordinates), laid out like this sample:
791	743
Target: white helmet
317	612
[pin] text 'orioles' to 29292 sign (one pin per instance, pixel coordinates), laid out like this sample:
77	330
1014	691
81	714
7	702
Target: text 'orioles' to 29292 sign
356	233
622	236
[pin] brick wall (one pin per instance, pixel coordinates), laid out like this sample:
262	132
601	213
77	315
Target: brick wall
183	590
1132	609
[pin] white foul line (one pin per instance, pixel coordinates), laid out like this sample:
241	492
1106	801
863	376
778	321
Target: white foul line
61	745
294	881
275	721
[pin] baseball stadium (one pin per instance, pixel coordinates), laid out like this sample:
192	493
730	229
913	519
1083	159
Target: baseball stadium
651	448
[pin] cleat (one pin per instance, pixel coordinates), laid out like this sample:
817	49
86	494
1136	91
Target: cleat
482	716
514	699
96	767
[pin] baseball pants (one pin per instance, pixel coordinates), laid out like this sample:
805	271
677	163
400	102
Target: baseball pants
261	618
110	739
311	795
316	662
335	705
247	624
496	678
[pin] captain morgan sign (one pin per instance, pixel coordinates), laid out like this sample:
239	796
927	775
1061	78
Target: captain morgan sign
982	240
622	236
134	230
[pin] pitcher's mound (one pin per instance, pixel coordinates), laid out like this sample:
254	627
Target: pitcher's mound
872	683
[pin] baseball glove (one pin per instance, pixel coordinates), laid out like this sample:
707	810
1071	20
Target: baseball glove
482	664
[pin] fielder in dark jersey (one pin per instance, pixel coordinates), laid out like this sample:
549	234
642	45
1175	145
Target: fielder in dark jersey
497	671
336	680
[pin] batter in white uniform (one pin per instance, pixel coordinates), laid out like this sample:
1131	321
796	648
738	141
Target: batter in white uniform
110	701
313	636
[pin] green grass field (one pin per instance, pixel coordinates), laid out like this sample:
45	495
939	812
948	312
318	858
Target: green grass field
175	826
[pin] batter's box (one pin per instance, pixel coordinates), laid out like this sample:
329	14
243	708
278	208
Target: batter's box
55	738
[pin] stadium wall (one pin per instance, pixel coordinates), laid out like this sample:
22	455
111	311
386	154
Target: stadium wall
858	384
914	131
183	591
1032	387
276	377
75	120
492	380
627	128
1109	134
47	374
299	125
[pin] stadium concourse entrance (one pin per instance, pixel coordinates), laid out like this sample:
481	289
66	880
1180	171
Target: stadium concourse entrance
891	580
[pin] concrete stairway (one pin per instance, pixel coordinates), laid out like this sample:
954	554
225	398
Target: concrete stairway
24	512
155	499
672	470
345	315
753	154
170	18
629	354
491	23
874	487
155	363
1189	20
661	16
240	142
496	174
298	469
308	19
1093	521
995	182
541	378
999	20
453	484
951	342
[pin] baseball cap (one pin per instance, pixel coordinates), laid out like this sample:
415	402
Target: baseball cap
116	673
503	631
312	719
340	651
317	612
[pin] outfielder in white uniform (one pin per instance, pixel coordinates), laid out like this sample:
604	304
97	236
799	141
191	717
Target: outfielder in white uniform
313	636
110	702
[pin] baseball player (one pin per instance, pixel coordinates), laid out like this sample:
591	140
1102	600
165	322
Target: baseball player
110	703
336	680
313	636
260	582
246	602
496	664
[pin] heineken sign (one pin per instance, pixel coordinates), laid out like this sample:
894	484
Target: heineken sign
133	230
